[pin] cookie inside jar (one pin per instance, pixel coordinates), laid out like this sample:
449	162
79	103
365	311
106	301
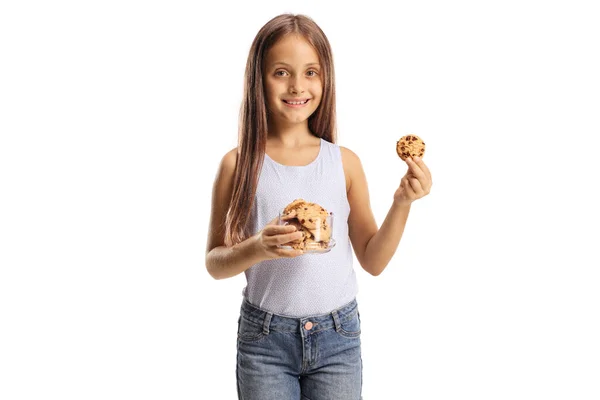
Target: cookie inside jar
313	220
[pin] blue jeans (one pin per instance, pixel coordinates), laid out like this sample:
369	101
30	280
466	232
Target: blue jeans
312	358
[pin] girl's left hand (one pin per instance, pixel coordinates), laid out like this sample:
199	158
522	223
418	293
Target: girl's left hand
416	183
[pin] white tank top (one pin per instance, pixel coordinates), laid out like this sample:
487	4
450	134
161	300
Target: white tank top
310	284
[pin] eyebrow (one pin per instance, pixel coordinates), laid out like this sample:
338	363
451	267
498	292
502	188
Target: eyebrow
288	65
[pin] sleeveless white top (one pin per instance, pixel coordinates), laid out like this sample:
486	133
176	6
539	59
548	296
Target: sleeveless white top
310	284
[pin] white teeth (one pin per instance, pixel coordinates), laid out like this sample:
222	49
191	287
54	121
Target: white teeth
296	102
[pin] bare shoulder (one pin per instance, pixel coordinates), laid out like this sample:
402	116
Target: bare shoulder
347	153
361	222
221	197
352	165
229	160
225	173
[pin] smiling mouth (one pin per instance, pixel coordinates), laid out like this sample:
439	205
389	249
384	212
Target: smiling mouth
296	103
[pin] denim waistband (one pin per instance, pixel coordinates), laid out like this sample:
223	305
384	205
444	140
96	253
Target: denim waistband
280	323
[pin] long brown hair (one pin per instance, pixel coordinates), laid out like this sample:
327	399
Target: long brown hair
252	139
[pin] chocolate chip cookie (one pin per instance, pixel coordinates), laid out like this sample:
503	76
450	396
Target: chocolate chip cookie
410	146
312	220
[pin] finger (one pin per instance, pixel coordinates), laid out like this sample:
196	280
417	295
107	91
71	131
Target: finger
408	190
404	183
423	166
415	168
425	179
272	230
289	253
409	174
416	187
285	238
404	180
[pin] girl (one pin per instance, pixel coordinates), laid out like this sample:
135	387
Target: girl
299	326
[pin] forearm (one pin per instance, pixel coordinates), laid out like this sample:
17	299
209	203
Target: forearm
382	246
224	262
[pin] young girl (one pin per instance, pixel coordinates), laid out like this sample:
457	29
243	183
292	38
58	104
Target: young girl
299	328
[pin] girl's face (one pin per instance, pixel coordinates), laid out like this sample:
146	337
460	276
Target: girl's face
292	79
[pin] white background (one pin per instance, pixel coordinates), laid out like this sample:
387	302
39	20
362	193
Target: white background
114	116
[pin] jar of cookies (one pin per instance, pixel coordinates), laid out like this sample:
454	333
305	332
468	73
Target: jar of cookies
314	221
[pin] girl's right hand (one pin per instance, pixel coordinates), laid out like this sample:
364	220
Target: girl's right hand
273	235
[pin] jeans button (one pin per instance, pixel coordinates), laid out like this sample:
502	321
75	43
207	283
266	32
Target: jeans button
308	326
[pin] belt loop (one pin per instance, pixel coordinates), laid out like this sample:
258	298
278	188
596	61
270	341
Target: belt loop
336	320
267	322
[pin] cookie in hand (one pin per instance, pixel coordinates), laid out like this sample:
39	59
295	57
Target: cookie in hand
410	146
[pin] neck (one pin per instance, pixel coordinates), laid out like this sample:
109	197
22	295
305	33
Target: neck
289	135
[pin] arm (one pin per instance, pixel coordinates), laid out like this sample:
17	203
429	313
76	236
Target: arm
374	247
383	245
225	262
221	261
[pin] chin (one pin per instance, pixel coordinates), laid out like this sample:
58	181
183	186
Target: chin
296	119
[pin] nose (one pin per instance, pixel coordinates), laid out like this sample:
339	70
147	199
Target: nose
296	86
